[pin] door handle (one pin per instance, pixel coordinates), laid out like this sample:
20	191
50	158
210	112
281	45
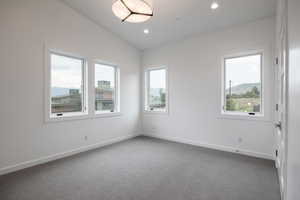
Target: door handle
278	125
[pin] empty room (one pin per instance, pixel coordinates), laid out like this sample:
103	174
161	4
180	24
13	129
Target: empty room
149	100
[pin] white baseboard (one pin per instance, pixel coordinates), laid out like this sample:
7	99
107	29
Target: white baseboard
214	146
43	160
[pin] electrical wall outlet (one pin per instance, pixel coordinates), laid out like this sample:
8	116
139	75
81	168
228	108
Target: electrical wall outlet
153	129
240	140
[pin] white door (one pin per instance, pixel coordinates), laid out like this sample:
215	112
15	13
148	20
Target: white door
281	107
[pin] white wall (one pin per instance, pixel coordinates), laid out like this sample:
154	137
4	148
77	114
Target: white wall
195	90
293	158
25	26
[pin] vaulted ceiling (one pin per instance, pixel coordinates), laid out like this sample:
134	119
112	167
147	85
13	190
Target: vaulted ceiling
175	19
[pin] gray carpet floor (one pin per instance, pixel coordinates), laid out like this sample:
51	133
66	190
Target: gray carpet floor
146	169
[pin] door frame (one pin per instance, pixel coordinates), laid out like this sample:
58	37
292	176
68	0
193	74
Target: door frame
281	88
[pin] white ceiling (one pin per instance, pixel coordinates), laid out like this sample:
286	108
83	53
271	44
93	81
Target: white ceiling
175	19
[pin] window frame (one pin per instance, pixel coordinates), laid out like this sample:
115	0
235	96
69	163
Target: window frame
147	89
238	114
49	116
117	111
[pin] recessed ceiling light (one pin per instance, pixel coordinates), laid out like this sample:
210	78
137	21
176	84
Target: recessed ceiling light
146	31
214	6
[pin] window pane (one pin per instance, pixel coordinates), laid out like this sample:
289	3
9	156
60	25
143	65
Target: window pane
157	90
243	84
66	84
104	88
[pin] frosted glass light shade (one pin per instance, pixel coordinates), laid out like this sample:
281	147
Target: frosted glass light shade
134	11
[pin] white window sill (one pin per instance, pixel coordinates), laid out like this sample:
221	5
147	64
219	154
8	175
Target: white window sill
67	117
81	116
107	114
243	116
156	112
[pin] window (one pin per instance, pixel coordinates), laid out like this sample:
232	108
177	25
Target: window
67	85
242	92
156	90
106	88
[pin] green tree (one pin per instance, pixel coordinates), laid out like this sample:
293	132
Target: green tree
162	96
255	91
230	103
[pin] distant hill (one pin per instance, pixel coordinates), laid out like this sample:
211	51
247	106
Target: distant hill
57	91
243	88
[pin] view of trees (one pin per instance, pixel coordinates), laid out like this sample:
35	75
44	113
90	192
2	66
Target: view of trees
158	99
248	101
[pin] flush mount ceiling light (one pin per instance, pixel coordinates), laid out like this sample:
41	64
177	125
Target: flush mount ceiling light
133	11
